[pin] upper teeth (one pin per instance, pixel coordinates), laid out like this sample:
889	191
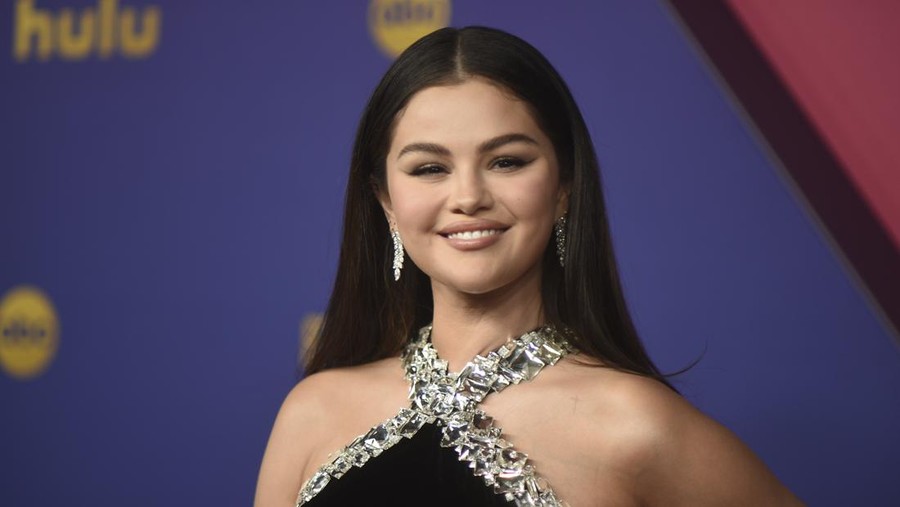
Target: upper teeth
473	234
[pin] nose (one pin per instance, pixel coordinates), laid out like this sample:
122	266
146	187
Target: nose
470	192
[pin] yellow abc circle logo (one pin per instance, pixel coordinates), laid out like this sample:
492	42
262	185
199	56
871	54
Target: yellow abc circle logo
29	332
396	24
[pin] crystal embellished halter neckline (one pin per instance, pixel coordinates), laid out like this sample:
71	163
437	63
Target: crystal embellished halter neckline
451	402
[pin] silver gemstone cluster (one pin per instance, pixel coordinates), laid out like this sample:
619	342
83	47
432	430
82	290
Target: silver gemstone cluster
450	401
398	253
559	231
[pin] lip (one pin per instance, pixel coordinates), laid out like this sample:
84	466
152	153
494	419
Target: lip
473	225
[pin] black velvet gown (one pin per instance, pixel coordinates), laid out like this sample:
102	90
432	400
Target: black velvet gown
443	449
416	471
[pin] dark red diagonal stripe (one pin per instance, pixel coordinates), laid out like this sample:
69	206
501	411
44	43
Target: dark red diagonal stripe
804	155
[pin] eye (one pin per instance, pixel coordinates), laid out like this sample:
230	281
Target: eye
509	163
427	170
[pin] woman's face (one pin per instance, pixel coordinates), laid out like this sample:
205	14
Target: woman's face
472	186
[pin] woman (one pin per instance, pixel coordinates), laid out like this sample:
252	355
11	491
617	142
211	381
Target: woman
477	349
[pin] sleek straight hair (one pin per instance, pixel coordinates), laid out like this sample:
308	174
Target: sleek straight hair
370	316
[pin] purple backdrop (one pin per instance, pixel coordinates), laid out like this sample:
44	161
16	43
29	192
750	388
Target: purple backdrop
181	209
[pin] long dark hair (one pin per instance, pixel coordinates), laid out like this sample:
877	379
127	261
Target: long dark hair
371	317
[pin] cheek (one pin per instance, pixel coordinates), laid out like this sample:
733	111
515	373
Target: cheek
414	207
535	198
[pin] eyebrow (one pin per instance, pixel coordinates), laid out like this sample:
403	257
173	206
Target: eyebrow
490	144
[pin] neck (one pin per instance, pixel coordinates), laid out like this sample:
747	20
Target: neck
466	325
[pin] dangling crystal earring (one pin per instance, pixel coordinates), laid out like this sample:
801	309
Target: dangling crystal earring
559	231
398	252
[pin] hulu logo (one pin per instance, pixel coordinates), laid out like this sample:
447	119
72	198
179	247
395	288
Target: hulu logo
101	31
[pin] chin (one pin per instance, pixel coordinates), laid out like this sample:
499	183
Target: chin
474	284
476	289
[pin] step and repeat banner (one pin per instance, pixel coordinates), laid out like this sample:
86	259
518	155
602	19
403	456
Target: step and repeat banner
171	186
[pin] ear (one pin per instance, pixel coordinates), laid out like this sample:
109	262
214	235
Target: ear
384	198
562	200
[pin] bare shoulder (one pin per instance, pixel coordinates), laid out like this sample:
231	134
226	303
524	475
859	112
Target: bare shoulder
667	451
333	392
320	413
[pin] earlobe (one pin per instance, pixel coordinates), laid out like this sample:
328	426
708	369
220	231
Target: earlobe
385	201
562	203
388	212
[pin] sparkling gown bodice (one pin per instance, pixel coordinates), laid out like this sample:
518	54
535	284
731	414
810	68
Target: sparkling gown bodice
443	449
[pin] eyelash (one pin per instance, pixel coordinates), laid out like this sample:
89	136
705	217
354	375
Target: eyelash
515	163
426	170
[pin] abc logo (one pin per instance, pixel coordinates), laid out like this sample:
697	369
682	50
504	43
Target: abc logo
29	332
396	24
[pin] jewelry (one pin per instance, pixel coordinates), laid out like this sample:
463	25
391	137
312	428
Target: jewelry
398	252
451	401
559	231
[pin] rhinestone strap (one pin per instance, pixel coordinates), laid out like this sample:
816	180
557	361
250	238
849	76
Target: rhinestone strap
451	400
404	425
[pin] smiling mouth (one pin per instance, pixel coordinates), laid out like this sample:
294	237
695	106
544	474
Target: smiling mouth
473	234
